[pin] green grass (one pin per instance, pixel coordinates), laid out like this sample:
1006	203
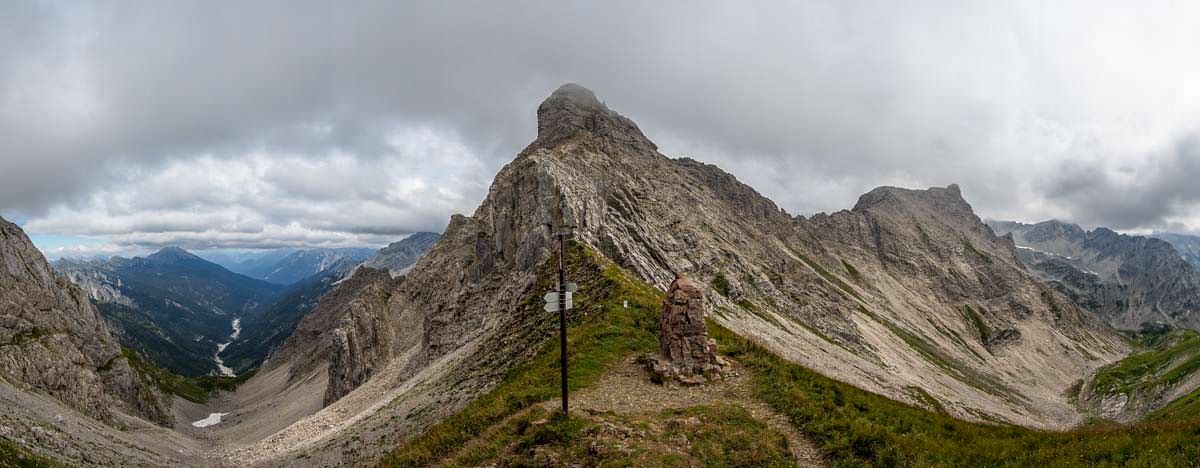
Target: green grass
859	428
13	455
193	389
850	269
720	284
593	345
1186	407
985	333
1167	360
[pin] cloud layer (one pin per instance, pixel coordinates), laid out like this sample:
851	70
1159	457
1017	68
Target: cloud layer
263	124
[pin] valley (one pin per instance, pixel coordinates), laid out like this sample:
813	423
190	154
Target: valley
902	331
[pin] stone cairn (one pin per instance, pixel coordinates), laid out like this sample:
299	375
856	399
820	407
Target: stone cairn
686	353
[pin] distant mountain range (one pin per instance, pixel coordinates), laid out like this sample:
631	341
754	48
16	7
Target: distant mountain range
177	308
398	257
1131	282
287	266
172	305
1188	246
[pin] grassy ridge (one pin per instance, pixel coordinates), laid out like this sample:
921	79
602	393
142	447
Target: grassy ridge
859	428
852	427
1167	360
593	346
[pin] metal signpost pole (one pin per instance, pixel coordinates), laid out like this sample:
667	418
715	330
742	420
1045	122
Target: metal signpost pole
562	317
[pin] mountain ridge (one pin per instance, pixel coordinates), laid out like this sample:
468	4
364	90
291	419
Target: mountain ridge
877	296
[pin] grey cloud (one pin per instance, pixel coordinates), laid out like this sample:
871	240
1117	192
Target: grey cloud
813	103
1147	197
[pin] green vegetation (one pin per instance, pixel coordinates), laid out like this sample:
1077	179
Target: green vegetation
1167	360
715	436
194	389
1185	408
13	455
851	426
985	333
859	428
720	284
850	269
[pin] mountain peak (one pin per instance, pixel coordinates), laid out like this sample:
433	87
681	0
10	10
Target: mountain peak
574	111
943	197
172	254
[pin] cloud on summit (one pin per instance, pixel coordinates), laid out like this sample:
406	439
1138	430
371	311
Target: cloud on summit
268	123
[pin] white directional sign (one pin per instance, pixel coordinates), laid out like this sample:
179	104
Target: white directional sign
552	300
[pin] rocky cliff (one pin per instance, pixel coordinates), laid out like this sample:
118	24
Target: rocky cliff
1130	281
53	341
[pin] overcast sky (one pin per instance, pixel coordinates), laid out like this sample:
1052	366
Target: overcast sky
131	125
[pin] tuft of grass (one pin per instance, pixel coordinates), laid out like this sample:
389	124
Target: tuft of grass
981	327
720	284
13	455
850	269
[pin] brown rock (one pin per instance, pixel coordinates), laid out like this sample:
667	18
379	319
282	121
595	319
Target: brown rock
682	332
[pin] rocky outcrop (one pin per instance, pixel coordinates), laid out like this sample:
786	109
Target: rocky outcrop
52	340
399	256
1132	282
685	352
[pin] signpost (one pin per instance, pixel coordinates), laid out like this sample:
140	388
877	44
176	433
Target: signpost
560	300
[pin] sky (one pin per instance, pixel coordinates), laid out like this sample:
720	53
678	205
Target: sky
132	125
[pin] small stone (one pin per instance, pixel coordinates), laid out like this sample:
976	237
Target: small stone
692	380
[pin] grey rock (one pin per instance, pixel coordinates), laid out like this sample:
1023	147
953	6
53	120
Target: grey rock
54	341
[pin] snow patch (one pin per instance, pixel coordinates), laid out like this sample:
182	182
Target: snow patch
211	420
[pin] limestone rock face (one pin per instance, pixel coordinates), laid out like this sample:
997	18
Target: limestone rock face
53	340
682	332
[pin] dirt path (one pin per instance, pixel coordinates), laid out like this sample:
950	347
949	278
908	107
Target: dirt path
628	389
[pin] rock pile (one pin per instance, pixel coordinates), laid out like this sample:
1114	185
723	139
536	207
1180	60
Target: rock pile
686	353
